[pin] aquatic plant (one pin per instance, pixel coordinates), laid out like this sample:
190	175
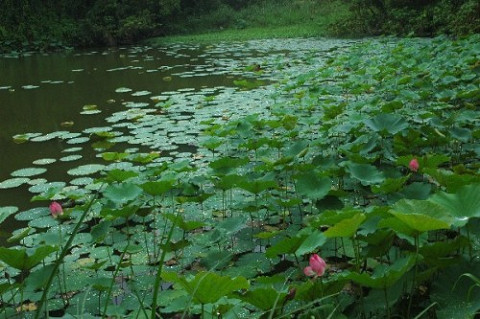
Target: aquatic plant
369	161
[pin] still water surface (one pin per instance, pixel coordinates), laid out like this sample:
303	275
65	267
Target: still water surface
40	92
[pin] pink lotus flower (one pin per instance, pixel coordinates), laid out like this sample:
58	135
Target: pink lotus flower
316	266
413	165
56	209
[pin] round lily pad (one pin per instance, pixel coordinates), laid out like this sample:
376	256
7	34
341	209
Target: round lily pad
37	181
81	181
90	112
78	140
13	182
44	161
6	211
72	149
135	104
29	171
40	188
29	86
86	169
33	213
123	90
141	93
71	158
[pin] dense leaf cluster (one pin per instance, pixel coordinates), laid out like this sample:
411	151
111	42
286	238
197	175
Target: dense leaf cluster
323	169
422	18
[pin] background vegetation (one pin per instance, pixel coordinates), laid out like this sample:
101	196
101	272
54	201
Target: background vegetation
45	25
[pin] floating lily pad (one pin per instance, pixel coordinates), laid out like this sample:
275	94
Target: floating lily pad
13	182
141	93
44	161
82	181
78	140
72	149
40	188
90	112
22	138
7	211
136	104
29	86
97	129
50	136
71	158
37	181
89	107
123	90
27	172
86	169
32	213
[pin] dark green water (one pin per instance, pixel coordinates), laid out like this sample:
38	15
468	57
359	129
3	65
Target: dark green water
68	81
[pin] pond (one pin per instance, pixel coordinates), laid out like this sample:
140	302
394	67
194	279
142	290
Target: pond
61	111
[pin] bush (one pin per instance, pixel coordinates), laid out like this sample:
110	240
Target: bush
421	18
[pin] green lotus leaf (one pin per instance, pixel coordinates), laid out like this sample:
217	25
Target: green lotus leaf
257	186
89	107
367	174
313	186
422	215
81	181
90	112
208	287
457	292
6	212
88	169
462	205
44	161
311	244
43	222
287	245
13	182
263	298
72	149
71	158
33	213
141	93
123	90
114	213
120	175
386	122
23	260
183	224
78	140
346	227
384	276
390	185
122	193
226	164
158	188
28	172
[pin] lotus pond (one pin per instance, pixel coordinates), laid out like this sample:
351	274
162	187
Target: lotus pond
276	179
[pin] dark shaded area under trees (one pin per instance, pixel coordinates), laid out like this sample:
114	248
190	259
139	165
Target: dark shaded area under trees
47	24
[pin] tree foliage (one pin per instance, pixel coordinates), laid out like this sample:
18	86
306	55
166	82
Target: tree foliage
418	17
47	24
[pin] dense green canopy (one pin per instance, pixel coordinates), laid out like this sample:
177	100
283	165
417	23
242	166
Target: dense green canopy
48	24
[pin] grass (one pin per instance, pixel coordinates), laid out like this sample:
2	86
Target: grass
271	19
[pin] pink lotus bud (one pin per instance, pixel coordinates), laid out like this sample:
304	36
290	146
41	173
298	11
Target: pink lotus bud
316	266
56	209
414	165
